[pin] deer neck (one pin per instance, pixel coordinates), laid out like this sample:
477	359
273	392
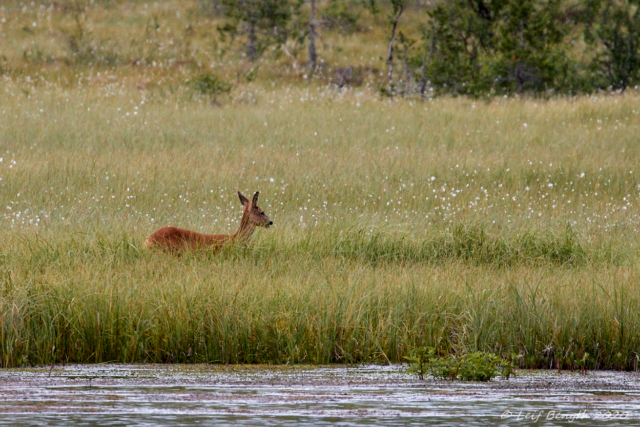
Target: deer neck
246	229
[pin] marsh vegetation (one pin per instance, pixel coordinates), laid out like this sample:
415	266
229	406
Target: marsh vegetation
450	225
508	226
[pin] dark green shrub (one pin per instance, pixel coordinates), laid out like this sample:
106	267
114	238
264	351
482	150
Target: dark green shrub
613	32
491	48
477	366
209	84
339	15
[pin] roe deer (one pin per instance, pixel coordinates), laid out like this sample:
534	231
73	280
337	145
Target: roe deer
173	239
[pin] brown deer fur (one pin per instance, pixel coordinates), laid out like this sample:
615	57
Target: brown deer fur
174	239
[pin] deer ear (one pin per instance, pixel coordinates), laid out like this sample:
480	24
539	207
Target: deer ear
243	199
255	198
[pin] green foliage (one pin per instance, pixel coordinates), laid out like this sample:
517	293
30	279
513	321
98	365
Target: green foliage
341	15
510	364
530	46
583	363
478	366
396	6
613	31
454	39
264	22
209	84
420	359
509	46
530	53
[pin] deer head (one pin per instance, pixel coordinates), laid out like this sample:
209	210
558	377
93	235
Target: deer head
255	215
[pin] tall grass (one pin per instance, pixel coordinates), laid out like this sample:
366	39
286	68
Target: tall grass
98	299
448	224
470	244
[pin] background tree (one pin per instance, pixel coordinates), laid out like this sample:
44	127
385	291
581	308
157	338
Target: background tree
405	48
456	37
343	15
613	31
503	46
469	47
263	21
312	36
531	53
397	8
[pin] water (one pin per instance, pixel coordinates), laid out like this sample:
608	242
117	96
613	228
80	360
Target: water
146	395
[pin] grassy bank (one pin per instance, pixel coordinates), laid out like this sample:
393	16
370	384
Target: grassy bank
95	299
506	227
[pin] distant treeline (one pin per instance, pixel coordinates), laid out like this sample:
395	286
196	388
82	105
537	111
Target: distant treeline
466	47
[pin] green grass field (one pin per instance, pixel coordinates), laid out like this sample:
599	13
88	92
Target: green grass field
397	224
509	226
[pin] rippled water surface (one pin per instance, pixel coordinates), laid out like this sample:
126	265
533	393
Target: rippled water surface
307	395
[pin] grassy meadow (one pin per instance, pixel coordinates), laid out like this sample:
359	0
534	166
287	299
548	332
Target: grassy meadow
508	226
397	224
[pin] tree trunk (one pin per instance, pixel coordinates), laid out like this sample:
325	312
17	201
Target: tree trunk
407	76
392	40
312	37
520	78
423	79
252	50
520	72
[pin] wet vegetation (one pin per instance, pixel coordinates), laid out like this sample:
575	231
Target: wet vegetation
478	366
